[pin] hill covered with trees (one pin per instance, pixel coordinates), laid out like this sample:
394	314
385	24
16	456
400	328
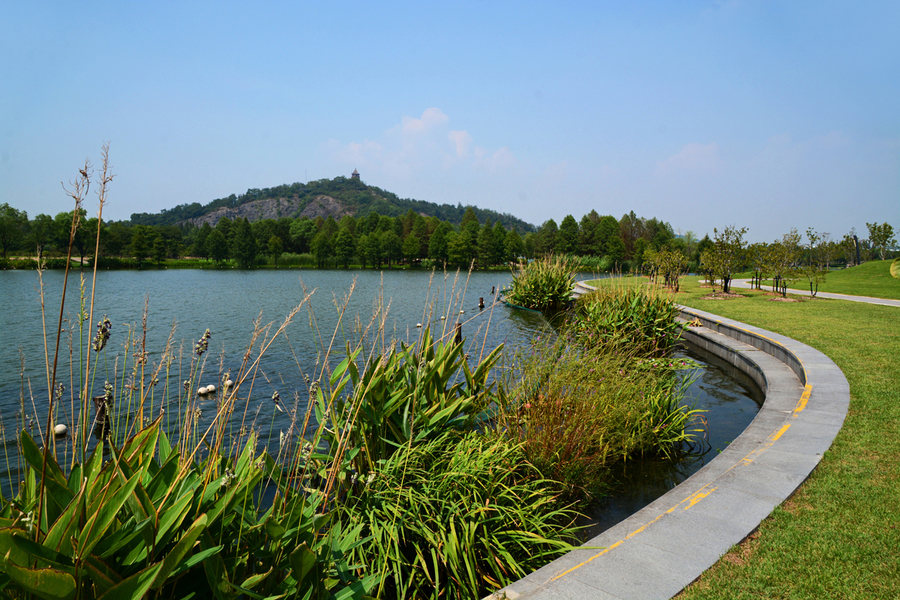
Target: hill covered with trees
337	198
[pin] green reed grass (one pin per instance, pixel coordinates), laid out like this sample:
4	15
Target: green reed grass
577	410
456	516
639	317
543	284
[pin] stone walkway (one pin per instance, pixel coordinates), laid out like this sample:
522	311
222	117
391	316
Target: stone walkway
662	548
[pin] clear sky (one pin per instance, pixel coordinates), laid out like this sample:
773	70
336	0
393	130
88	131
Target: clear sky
763	114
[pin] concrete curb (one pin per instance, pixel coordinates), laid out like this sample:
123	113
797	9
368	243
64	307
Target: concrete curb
668	544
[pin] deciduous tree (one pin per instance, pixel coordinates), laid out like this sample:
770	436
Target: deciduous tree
274	248
881	236
344	246
13	225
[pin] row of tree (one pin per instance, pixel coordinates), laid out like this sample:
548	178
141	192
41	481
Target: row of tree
378	240
785	260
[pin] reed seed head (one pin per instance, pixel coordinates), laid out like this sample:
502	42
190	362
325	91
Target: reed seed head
103	328
202	344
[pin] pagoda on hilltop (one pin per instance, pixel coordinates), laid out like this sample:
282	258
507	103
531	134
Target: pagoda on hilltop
354	174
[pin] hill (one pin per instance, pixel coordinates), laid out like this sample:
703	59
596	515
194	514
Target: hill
325	197
872	278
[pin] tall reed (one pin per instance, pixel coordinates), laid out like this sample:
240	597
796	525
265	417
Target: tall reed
543	284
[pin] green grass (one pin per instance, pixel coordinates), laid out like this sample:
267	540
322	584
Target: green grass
837	537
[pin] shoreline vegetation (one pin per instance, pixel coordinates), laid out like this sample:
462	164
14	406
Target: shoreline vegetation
415	470
837	535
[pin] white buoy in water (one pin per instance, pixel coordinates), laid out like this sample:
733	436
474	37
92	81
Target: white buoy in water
60	430
210	389
442	318
418	324
461	312
201	391
229	383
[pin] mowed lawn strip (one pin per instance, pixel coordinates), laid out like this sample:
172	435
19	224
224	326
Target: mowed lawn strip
872	278
839	535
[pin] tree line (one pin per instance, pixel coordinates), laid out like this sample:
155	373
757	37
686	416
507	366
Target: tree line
377	241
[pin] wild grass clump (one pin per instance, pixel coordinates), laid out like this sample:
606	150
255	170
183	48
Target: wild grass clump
639	318
290	259
596	264
543	284
456	516
577	410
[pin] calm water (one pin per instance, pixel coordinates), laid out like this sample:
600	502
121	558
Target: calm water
228	303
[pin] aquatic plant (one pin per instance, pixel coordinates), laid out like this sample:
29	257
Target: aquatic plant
635	317
543	284
578	409
456	516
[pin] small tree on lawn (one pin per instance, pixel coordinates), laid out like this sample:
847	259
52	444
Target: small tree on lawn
847	247
881	236
728	247
757	255
819	251
672	265
783	258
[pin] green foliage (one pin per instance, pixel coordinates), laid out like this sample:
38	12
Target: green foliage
13	225
243	245
895	268
726	255
671	264
881	237
633	317
408	395
456	516
578	409
150	520
543	284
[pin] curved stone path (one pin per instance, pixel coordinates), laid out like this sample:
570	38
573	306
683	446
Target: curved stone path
665	546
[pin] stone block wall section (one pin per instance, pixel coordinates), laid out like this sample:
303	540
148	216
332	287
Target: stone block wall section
668	544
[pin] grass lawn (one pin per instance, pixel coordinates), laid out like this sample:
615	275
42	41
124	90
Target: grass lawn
839	535
868	279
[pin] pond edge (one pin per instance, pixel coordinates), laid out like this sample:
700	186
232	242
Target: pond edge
661	549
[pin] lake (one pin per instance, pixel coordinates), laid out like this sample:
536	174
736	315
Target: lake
228	302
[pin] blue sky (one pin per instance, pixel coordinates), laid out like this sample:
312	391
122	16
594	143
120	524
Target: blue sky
768	115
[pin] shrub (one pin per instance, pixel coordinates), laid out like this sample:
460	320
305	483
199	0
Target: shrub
153	521
543	284
408	395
